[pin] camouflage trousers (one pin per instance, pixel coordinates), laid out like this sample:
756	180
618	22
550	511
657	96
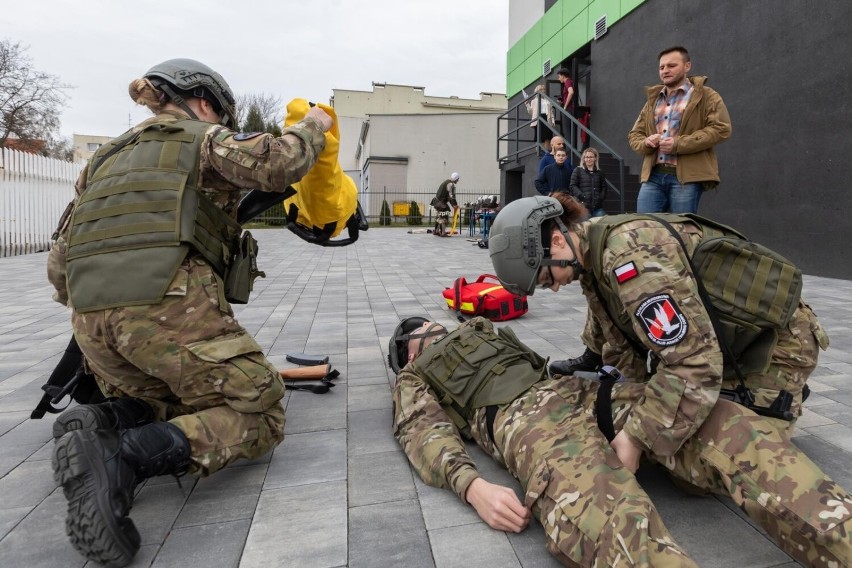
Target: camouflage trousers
793	359
595	513
593	510
194	364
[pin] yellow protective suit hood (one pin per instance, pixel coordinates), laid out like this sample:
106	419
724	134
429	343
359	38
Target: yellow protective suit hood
326	199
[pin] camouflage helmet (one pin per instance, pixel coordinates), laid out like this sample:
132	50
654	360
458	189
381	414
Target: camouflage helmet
187	77
517	246
398	345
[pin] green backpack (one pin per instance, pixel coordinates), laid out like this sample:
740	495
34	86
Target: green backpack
754	290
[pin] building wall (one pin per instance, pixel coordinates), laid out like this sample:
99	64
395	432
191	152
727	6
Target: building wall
353	107
85	145
436	146
564	27
782	69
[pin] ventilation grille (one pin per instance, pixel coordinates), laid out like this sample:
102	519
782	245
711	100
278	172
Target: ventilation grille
600	27
546	69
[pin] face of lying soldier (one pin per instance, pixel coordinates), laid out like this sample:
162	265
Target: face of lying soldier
422	337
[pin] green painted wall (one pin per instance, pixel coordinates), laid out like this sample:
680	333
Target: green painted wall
566	27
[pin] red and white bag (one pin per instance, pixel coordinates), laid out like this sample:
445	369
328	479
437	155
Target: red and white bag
488	299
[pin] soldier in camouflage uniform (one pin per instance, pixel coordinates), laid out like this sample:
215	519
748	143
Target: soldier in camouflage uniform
593	511
192	390
655	291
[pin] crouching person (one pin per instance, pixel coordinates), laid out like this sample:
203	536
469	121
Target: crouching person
143	261
473	383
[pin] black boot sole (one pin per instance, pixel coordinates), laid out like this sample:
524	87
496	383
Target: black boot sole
83	418
91	525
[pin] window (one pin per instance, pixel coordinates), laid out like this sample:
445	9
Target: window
92	146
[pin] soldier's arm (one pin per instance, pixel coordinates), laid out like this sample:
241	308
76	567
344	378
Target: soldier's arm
669	318
260	160
716	129
427	435
56	273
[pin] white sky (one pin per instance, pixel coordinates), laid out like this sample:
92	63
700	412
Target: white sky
283	47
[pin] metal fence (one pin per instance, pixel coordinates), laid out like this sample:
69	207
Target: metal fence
34	192
395	207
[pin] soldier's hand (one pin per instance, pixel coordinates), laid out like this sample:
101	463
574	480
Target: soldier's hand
627	451
498	506
321	117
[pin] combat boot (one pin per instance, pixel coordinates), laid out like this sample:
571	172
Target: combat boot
114	414
99	471
588	361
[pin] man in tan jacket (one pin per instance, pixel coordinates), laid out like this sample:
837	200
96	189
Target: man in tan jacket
681	122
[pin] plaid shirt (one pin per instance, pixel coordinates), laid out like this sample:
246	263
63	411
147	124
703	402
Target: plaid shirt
667	115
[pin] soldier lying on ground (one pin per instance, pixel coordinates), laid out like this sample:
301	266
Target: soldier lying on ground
476	384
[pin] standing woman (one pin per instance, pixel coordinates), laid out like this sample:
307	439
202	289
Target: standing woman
541	112
588	184
142	260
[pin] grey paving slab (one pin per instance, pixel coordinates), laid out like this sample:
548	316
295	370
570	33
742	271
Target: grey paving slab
388	535
472	546
309	458
217	544
229	495
305	525
389	467
340	481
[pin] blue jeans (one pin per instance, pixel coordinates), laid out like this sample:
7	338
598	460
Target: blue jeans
599	212
662	193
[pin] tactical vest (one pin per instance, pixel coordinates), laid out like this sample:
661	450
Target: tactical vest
473	367
140	215
753	290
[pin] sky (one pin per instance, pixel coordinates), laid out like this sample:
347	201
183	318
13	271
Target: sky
276	47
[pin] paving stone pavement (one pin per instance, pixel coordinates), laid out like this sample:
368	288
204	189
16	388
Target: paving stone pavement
338	491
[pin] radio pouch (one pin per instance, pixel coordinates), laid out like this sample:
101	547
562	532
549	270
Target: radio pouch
242	272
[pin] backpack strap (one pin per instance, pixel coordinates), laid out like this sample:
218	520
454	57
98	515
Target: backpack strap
741	394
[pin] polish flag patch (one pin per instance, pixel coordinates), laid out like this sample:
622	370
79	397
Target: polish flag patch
625	272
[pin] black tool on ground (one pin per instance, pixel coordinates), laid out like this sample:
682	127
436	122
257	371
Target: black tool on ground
305	359
322	388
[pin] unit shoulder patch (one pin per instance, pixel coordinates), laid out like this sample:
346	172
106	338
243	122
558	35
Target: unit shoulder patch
241	136
661	320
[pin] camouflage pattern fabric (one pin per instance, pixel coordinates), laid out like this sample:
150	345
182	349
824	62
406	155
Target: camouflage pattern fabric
741	455
187	356
593	511
686	383
194	364
231	165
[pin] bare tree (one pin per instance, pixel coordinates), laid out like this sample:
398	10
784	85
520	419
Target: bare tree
272	110
30	100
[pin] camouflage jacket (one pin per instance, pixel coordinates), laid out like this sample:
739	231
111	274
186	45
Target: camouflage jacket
231	164
646	268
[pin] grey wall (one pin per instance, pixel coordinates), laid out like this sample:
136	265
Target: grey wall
783	69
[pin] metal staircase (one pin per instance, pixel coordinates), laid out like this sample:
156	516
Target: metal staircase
516	141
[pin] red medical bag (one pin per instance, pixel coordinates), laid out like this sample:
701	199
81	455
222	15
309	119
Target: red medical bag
487	299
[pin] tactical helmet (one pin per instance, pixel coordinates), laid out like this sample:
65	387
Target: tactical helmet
454	177
398	345
516	244
179	78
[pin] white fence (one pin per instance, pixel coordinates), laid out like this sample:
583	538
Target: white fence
34	192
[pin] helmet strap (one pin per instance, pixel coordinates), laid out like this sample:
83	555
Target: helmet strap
177	99
431	331
575	263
